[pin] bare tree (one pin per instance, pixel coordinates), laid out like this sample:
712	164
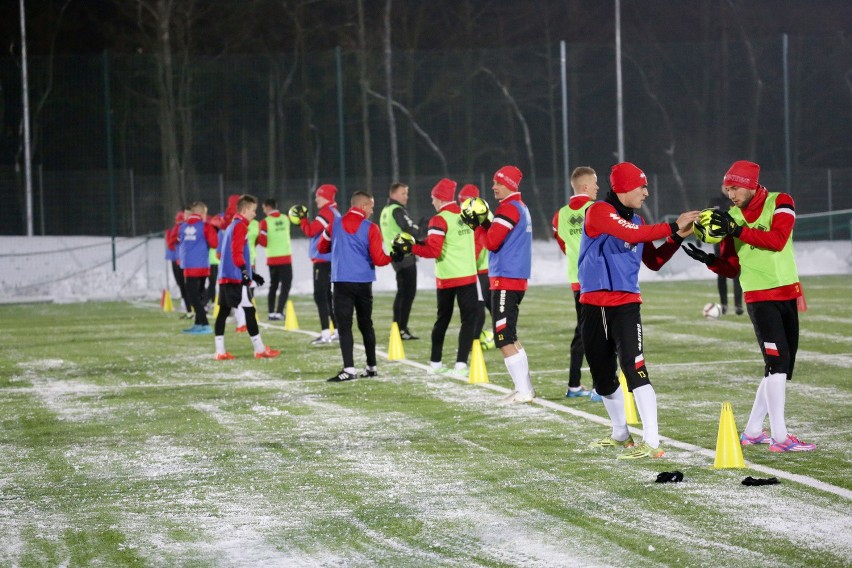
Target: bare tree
527	143
364	84
388	53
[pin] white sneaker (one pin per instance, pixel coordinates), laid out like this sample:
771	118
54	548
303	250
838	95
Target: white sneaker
334	336
516	397
321	341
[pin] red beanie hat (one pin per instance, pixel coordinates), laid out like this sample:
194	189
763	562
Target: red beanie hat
510	176
468	191
626	177
742	174
445	190
327	191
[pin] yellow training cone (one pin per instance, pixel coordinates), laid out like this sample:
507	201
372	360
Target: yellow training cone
395	350
166	301
629	403
216	306
331	327
291	322
729	452
478	374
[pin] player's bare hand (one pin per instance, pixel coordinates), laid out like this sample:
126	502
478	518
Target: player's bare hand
685	220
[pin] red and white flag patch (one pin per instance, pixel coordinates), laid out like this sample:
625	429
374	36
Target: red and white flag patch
500	325
770	348
640	360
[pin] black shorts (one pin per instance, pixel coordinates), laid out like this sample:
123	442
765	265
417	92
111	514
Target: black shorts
505	306
234	296
776	326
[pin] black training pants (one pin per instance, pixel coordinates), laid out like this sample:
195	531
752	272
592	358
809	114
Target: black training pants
355	297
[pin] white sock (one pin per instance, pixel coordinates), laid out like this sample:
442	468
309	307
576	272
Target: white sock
257	343
517	366
350	370
220	344
326	334
435	365
646	403
461	365
776	394
614	404
527	378
754	426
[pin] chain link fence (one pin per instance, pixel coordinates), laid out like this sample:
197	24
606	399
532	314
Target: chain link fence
278	127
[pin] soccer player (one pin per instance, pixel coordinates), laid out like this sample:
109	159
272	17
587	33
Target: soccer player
450	242
196	239
567	229
355	245
486	339
509	240
394	220
235	281
327	214
615	241
275	237
758	247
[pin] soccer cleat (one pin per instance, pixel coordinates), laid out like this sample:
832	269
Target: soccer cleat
341	377
791	444
335	336
516	397
274	316
368	372
407	335
611	442
456	371
189	315
321	341
201	330
724	309
577	393
762	438
242	329
223	356
595	397
642	450
190	329
739	310
267	353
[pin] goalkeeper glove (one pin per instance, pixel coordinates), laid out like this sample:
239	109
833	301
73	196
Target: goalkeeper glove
297	213
699	254
724	220
244	277
258	279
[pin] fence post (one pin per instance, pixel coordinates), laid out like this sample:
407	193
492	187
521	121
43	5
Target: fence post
830	216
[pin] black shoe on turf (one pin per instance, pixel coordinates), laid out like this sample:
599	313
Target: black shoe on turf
340	377
407	335
739	310
724	309
368	372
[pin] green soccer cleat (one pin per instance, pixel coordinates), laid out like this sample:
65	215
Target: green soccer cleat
643	450
611	442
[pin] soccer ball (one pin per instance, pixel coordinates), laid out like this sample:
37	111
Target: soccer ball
705	231
476	208
486	339
712	311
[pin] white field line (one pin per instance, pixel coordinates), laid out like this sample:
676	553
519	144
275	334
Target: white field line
802	479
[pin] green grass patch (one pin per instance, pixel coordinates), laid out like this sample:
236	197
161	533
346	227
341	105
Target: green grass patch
122	442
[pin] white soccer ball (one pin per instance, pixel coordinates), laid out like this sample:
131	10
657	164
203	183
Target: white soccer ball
712	311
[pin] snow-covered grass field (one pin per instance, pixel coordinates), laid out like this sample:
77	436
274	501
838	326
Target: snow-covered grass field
122	442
